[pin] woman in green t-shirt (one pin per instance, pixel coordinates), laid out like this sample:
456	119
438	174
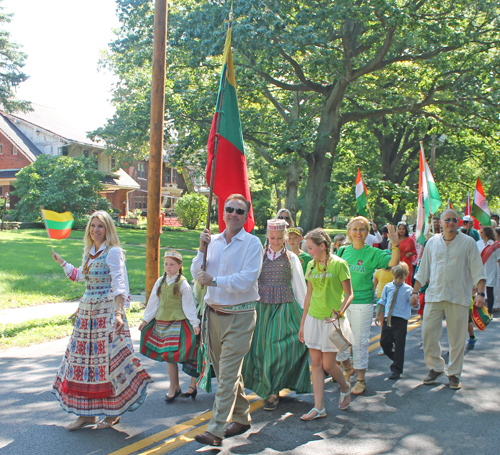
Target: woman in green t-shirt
329	293
363	260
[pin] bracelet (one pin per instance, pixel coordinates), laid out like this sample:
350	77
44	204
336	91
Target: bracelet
63	264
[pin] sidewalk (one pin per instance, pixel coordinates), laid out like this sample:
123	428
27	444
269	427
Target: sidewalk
17	315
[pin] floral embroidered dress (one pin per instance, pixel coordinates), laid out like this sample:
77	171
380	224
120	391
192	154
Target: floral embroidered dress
277	359
99	374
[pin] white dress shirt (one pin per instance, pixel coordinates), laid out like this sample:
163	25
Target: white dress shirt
298	280
115	261
451	270
188	305
371	239
236	266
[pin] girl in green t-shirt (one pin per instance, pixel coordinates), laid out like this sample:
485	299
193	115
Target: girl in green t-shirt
329	293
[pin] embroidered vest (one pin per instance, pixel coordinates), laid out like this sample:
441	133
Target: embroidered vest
275	281
170	304
98	281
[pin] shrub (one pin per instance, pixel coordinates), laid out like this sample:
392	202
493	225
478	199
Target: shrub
191	209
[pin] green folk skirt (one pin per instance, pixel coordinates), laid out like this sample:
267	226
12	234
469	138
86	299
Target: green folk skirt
277	359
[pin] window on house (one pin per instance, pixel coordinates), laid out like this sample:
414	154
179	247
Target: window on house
1	149
141	170
113	162
168	178
65	151
1	190
95	155
174	175
14	151
86	153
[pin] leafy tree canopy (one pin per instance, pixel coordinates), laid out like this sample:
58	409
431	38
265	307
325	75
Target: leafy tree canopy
60	184
11	64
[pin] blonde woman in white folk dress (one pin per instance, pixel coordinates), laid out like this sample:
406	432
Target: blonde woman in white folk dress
99	374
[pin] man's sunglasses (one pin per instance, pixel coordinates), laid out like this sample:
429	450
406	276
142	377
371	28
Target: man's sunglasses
449	220
232	209
284	218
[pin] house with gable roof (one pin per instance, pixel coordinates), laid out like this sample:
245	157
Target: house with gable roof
25	136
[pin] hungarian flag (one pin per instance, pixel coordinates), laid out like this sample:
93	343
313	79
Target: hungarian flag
480	210
58	224
361	195
428	196
231	165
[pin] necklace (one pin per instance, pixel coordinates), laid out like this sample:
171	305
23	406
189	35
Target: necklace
319	267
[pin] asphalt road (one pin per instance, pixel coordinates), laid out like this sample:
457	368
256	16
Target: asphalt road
401	417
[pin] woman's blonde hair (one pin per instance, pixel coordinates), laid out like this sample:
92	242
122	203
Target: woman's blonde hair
319	236
360	219
111	235
292	223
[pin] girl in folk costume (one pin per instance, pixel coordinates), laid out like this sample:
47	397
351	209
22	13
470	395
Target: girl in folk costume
170	325
277	359
329	293
99	374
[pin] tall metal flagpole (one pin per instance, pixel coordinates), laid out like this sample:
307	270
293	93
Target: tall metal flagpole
216	146
156	145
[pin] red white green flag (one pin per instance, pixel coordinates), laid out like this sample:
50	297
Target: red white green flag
480	210
361	195
231	167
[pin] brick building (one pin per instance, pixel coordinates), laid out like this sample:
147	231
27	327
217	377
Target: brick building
25	136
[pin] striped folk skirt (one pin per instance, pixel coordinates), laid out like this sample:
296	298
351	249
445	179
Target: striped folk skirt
169	341
277	359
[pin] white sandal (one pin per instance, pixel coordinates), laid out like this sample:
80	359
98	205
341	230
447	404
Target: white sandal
319	414
343	396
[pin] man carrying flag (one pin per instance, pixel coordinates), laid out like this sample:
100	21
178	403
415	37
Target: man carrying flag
233	263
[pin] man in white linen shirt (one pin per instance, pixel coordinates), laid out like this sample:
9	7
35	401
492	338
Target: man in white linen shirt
452	265
234	261
371	239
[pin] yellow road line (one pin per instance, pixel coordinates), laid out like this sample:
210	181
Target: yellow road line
169	432
184	438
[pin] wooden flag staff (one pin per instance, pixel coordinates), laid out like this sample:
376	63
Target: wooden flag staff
216	147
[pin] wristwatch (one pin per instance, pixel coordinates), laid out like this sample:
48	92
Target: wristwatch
482	294
214	281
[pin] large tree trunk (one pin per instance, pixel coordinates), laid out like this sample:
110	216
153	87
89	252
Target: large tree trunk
293	172
318	177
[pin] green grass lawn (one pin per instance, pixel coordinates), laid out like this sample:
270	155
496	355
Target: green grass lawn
29	275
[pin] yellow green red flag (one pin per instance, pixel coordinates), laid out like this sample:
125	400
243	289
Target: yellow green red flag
58	224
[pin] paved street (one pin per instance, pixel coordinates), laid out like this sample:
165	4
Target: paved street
402	417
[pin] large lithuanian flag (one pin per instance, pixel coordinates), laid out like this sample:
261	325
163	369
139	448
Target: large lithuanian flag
58	224
231	165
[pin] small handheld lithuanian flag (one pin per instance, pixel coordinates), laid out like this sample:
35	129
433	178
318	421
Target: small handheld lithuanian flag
58	224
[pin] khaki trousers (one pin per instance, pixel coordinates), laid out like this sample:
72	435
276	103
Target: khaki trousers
230	340
457	317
